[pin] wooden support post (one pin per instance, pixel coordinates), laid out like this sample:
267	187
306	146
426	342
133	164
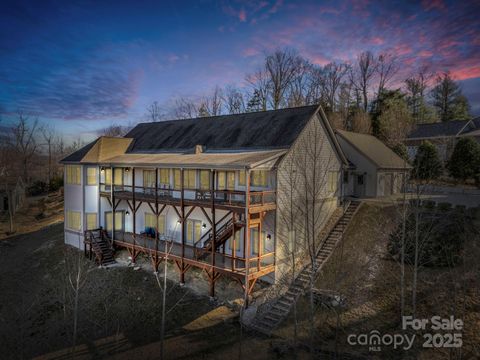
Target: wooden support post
156	215
259	241
134	214
214	234
112	198
246	235
182	220
234	243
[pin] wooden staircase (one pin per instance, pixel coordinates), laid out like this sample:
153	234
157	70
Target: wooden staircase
99	245
223	233
267	321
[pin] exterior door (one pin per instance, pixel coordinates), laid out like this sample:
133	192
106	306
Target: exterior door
388	184
359	185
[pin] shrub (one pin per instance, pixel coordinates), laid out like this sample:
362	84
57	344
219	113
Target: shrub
55	183
37	188
441	236
401	150
465	160
427	164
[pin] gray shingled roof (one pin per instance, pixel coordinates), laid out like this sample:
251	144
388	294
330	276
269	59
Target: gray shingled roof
274	129
79	154
445	129
373	149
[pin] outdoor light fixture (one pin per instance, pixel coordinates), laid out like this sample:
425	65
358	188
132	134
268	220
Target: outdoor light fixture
102	169
204	225
127	169
269	237
127	212
179	221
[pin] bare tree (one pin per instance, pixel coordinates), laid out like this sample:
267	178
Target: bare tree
361	75
212	104
24	142
360	122
281	67
298	91
185	108
415	87
387	68
115	130
234	100
49	137
334	74
154	112
260	84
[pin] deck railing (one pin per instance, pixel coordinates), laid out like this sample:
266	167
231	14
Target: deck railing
224	197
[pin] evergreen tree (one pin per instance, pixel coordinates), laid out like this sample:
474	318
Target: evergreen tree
427	164
448	99
255	102
465	161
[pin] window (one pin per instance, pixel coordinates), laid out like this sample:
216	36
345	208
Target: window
148	178
117	176
91	221
118	221
73	174
237	242
189	179
151	222
194	231
241	178
332	181
165	178
73	220
176	179
226	180
91	176
204	179
259	178
254	241
360	179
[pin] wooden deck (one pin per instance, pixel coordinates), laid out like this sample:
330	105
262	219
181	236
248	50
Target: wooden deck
192	256
232	200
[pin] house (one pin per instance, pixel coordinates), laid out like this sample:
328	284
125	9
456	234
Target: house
444	135
12	193
214	193
375	170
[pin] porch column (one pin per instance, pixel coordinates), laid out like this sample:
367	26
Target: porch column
182	220
134	214
246	235
214	234
112	198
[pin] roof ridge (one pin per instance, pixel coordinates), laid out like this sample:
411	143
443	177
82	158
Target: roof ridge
227	115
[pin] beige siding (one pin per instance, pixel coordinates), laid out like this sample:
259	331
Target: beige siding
304	200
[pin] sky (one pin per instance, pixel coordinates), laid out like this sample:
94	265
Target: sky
84	65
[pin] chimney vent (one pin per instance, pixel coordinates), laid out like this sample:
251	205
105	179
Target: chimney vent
199	149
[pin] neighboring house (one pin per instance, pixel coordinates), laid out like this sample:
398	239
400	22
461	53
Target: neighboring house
444	135
375	170
167	186
12	193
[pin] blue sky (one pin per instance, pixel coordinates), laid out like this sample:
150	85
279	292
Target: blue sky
83	65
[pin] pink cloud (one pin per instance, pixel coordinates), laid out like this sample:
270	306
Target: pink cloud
242	15
433	4
466	72
425	53
377	41
250	52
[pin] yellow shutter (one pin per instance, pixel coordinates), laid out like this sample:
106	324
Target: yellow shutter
91	221
189	179
204	179
241	178
149	178
161	225
119	221
164	177
254	241
108	221
108	176
230	180
118	176
91	176
189	231
176	179
150	221
198	230
221	179
73	174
